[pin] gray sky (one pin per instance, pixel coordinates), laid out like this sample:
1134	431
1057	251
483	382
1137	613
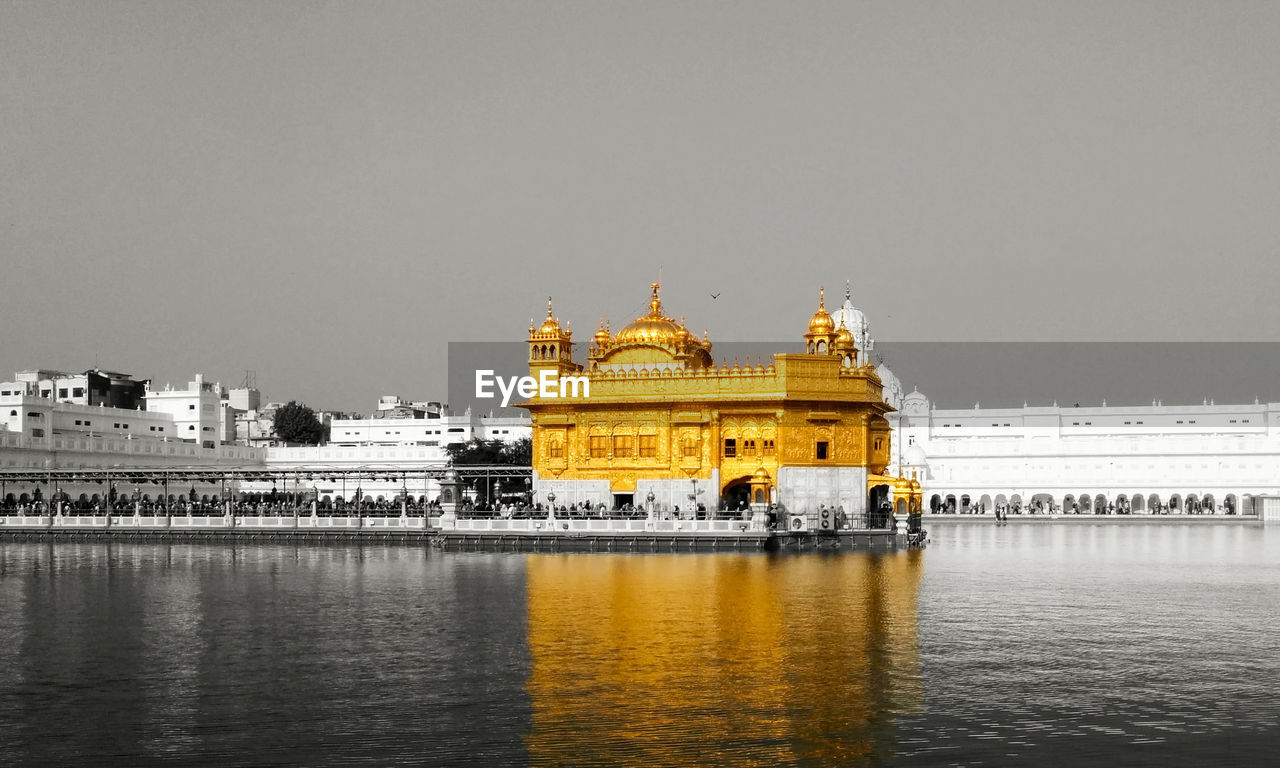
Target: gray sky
328	193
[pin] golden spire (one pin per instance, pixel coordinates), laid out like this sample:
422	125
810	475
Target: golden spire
655	304
821	298
821	322
550	325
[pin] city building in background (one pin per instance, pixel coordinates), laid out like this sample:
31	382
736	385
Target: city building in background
93	387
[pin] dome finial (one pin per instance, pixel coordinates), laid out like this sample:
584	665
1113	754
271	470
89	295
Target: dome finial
847	296
655	304
549	308
822	297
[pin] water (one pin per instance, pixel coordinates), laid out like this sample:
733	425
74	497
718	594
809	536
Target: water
1069	644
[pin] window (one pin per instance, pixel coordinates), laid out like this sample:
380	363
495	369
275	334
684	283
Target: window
822	450
117	425
748	447
37	432
648	446
623	446
62	392
46	392
730	448
768	447
690	446
555	449
599	446
77	392
33	414
191	407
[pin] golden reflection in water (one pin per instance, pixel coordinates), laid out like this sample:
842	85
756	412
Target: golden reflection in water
721	659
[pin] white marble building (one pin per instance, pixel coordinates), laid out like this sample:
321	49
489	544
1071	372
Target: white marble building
1204	458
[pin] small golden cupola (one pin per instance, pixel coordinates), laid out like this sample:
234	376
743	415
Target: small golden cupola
551	325
821	338
845	347
549	345
602	337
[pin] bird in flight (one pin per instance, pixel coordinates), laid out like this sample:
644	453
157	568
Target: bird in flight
715	295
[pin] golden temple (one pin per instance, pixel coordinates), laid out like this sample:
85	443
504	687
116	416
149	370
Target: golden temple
660	424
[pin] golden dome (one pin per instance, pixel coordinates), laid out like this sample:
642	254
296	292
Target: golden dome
760	474
844	335
653	328
821	321
602	336
550	325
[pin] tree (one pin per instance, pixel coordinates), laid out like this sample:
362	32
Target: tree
477	451
297	423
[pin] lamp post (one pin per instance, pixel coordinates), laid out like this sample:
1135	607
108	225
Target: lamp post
693	498
551	503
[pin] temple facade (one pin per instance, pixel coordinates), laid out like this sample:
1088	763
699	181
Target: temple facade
661	425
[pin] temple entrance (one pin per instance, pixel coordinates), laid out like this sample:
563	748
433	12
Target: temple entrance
736	493
877	498
621	500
